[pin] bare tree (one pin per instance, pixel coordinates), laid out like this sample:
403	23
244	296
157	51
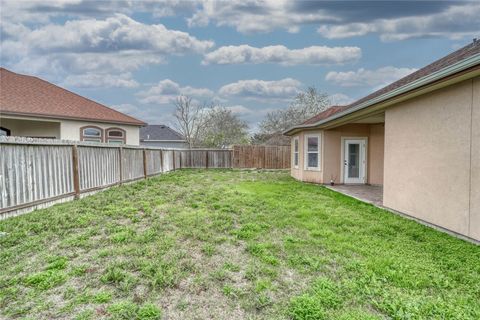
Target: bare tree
189	118
305	105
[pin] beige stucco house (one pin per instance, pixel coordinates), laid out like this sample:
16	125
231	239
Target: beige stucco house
419	138
32	107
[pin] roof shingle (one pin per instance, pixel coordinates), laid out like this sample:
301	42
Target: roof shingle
28	95
159	132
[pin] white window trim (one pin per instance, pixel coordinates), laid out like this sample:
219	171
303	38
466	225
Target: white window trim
342	157
305	147
296	152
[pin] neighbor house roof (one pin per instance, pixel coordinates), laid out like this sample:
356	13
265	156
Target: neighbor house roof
469	51
159	132
31	96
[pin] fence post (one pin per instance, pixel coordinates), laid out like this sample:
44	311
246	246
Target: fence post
145	163
161	161
173	153
206	159
180	167
120	165
76	175
233	158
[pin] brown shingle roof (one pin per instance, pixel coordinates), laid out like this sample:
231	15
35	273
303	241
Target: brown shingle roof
28	95
325	114
459	55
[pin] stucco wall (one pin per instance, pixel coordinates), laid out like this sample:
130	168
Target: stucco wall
475	163
60	129
70	130
428	158
376	142
29	128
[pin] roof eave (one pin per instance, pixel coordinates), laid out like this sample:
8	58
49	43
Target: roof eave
48	116
436	76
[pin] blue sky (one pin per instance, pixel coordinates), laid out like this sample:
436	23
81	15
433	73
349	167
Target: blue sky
250	56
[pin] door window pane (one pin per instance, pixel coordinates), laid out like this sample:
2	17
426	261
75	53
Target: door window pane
353	160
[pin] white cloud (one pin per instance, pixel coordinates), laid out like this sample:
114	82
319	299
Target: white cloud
127	108
44	11
89	80
255	16
262	90
150	114
399	21
431	18
315	55
339	99
455	23
166	91
92	48
117	33
370	78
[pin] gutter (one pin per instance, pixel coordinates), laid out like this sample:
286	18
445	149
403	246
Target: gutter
438	75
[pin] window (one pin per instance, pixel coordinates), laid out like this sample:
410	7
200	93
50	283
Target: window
295	152
312	152
91	133
4	131
116	135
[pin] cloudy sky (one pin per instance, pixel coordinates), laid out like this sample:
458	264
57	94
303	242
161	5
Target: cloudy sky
250	56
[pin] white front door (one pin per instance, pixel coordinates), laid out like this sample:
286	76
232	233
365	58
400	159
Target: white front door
354	169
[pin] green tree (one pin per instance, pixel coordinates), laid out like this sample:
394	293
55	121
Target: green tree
222	128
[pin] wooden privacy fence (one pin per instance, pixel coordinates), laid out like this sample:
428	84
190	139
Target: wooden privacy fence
266	157
36	173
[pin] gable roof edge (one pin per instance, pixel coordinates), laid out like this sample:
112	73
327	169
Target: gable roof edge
459	66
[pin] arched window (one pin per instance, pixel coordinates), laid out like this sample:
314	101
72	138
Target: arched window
4	131
115	135
91	133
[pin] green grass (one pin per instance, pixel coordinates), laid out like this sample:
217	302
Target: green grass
223	244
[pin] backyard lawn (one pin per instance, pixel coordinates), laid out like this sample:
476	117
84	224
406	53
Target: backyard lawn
222	244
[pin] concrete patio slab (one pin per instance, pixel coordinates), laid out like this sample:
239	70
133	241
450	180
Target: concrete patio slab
367	193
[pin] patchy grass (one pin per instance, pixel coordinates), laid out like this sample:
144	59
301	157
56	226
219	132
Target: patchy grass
231	245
